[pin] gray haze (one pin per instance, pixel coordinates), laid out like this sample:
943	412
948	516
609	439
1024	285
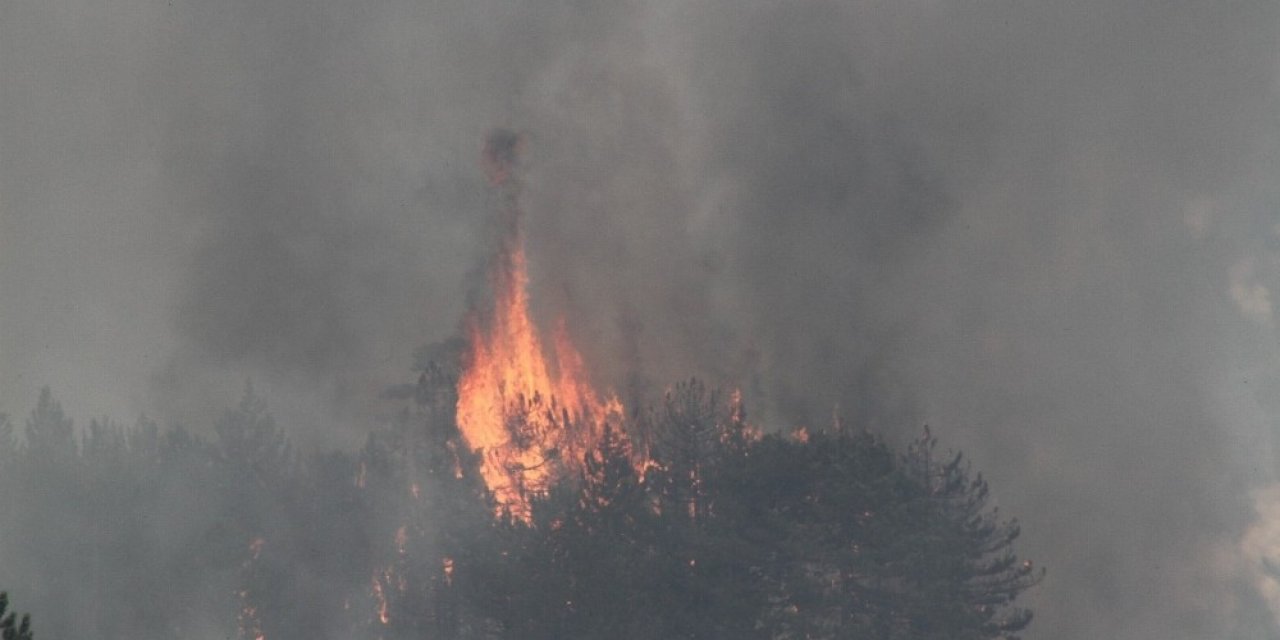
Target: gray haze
1049	230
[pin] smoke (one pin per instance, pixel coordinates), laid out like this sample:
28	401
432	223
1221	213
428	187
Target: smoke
1046	230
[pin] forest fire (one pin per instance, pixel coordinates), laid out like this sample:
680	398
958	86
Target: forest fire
530	417
249	621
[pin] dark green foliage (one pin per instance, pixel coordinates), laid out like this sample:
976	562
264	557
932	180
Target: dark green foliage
50	434
722	533
10	627
249	440
732	536
8	444
967	551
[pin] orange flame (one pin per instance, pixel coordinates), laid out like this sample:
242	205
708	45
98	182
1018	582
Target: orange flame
447	563
384	613
402	538
530	417
248	620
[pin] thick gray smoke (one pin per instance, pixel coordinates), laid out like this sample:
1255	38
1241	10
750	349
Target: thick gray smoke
1047	229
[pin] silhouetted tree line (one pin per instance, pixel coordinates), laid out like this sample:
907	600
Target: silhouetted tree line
10	627
139	532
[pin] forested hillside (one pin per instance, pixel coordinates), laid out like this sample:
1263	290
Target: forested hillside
721	532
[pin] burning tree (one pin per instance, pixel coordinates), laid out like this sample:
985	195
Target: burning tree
529	416
731	535
512	499
684	521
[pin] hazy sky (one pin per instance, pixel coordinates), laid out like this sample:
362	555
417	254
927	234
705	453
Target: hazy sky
1049	230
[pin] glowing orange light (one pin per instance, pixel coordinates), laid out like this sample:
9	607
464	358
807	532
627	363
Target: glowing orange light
402	538
384	613
530	417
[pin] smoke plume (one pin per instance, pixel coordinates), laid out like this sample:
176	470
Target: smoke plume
1047	230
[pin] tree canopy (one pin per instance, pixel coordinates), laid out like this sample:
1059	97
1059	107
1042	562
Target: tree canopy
11	628
684	522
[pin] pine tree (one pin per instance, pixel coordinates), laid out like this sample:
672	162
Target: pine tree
50	434
248	438
8	444
969	575
10	627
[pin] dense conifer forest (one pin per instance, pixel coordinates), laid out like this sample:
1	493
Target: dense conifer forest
723	532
